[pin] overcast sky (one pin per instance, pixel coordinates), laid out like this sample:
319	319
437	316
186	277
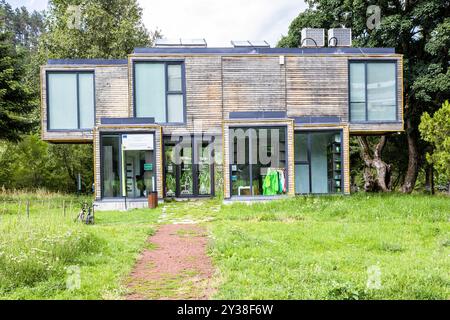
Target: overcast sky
218	21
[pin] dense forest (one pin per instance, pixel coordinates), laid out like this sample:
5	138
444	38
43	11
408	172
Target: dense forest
416	160
27	40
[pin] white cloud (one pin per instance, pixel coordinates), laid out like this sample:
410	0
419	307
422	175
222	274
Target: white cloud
217	21
30	4
220	21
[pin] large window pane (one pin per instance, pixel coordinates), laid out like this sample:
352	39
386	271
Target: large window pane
372	91
139	173
319	161
204	168
170	170
110	166
240	167
175	108
301	178
186	174
357	82
322	174
358	111
381	91
150	90
174	77
62	100
301	147
258	161
86	102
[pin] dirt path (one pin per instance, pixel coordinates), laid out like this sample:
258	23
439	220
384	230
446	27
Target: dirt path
173	266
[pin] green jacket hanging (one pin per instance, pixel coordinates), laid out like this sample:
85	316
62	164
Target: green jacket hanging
271	183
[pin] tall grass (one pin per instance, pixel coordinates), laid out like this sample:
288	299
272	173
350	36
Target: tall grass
36	248
41	247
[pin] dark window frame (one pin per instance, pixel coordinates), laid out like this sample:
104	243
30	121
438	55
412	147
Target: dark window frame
77	72
308	161
366	62
231	156
167	91
119	134
195	140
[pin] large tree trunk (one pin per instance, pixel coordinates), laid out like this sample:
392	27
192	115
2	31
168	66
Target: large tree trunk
413	165
381	178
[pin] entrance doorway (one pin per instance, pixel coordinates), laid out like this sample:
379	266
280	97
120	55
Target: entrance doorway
127	165
138	173
188	167
318	162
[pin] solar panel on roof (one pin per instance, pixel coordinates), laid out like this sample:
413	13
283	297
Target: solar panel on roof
259	43
180	43
251	44
240	43
194	42
167	42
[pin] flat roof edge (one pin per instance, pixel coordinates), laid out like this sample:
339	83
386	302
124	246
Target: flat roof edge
88	61
294	51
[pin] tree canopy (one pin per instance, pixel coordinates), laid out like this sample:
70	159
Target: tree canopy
93	29
436	130
16	99
419	30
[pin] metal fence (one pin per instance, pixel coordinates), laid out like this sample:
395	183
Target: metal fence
27	207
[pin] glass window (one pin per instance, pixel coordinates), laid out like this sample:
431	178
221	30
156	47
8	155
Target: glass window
357	92
381	91
302	178
70	100
372	91
139	176
159	91
111	166
62	101
258	161
174	77
319	161
301	147
175	108
322	171
86	96
150	91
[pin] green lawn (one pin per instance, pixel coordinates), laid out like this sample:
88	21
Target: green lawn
40	253
330	247
350	247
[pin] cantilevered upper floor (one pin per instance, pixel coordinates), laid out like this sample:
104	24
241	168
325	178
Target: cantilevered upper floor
178	87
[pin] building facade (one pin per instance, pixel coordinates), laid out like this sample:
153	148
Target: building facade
243	122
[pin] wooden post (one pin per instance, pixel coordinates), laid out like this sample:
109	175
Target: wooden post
64	208
70	207
28	208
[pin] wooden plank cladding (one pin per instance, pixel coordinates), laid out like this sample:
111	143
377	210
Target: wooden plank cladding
253	84
317	86
298	85
111	98
203	94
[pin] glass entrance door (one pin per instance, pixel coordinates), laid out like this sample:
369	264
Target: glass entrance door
258	161
188	168
186	185
318	162
127	165
138	173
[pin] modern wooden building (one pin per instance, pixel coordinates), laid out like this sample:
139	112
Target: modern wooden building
248	122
